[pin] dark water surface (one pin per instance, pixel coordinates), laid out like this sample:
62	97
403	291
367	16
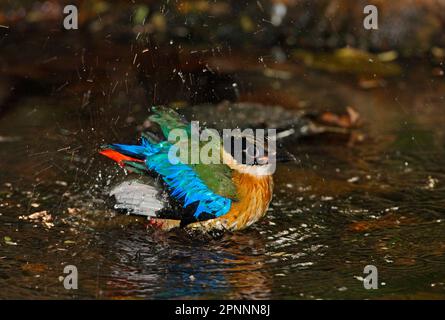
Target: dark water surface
343	205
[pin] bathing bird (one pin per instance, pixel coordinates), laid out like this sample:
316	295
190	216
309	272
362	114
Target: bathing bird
197	196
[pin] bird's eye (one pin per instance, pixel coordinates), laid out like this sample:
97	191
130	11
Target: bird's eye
245	150
254	154
252	151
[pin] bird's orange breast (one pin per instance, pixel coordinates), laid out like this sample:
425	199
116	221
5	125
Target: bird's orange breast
254	195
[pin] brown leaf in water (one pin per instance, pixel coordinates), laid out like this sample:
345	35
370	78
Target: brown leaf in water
34	267
349	120
42	216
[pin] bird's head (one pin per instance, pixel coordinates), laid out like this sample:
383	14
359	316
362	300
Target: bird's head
256	155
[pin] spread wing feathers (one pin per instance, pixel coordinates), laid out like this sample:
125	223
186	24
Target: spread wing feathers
138	198
168	119
218	177
183	182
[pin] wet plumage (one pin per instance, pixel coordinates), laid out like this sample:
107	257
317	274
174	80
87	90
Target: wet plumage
198	197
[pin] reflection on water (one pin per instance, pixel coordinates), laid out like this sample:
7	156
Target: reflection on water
343	205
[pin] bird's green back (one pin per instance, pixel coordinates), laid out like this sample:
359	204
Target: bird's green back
218	177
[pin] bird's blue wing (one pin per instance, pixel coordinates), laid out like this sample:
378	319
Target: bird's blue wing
183	182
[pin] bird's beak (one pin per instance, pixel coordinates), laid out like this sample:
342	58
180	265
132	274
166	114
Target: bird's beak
276	155
283	155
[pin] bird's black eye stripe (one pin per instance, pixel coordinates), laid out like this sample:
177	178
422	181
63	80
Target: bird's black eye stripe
245	150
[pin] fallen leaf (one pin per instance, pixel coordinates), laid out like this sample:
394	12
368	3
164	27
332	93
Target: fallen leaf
34	267
43	216
349	120
9	241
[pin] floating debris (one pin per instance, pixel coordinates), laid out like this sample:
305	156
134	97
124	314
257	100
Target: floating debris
61	183
431	183
8	241
353	179
43	216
